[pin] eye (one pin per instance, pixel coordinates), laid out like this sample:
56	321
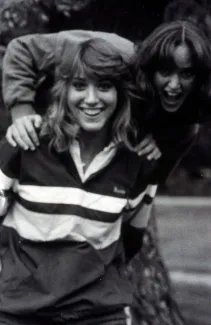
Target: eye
105	85
187	74
79	84
164	72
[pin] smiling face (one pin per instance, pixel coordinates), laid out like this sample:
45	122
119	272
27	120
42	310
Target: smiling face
173	83
92	102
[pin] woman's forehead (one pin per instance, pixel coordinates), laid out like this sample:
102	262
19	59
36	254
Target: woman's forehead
79	73
91	73
176	56
182	56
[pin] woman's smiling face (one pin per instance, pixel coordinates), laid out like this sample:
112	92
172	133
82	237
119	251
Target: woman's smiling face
92	102
174	83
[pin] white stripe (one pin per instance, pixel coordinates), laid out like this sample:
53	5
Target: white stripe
44	227
135	202
191	278
68	195
128	315
5	181
191	201
150	190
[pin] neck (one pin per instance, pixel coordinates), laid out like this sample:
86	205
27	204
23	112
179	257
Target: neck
91	143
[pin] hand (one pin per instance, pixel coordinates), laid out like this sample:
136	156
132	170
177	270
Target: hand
148	147
23	132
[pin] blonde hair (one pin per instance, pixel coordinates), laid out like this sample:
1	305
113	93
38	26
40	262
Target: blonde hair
98	60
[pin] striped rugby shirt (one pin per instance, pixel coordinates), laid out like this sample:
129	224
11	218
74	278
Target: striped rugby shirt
60	243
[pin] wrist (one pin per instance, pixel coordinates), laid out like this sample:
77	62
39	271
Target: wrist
21	110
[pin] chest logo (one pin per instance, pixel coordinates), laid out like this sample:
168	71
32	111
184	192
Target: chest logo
119	190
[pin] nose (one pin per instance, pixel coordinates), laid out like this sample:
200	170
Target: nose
174	82
91	95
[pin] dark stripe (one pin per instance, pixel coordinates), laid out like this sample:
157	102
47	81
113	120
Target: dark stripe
147	199
68	209
132	239
138	190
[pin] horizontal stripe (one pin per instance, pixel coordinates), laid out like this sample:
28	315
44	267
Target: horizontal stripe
187	201
68	209
135	202
5	181
74	196
191	278
147	199
43	227
150	191
141	218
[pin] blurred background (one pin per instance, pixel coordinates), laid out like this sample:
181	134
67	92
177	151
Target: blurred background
183	206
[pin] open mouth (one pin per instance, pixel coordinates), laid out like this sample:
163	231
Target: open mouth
172	98
172	101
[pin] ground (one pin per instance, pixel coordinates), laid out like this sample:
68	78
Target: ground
184	226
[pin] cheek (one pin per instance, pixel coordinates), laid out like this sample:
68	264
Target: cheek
115	100
72	98
159	81
111	100
189	85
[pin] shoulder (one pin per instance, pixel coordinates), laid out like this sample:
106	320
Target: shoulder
125	46
141	167
9	159
7	152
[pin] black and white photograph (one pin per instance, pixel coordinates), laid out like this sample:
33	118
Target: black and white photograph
105	162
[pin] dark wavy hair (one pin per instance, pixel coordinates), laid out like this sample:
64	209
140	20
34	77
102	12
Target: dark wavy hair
98	60
157	50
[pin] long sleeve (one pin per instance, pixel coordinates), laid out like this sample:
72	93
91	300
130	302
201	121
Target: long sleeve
138	212
9	173
174	144
24	60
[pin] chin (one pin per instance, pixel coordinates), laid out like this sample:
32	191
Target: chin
173	108
92	129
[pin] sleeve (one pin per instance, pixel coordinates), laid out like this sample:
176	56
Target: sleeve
33	57
25	57
9	173
138	212
174	144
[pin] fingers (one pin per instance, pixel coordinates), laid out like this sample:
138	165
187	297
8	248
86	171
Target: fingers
37	121
23	132
145	142
9	137
148	147
14	138
155	154
27	130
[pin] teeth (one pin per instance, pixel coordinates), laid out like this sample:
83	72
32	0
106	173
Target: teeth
91	112
173	95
